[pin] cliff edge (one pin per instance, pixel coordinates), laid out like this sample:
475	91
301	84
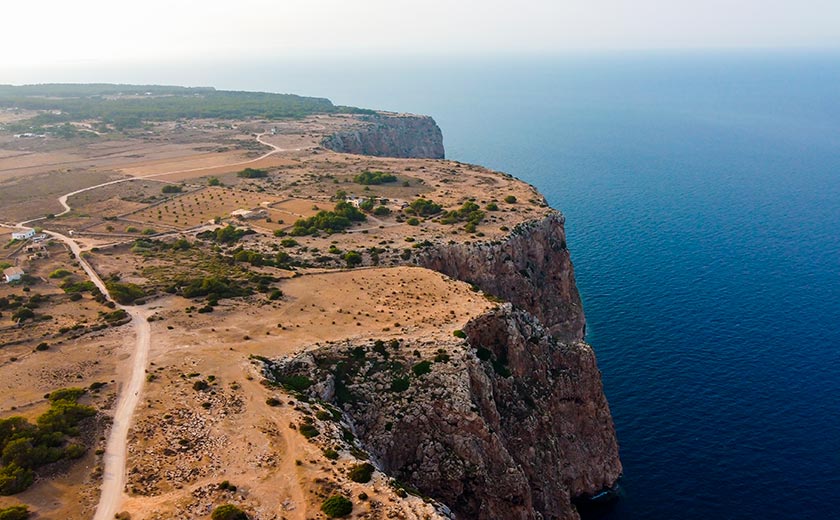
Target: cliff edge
389	135
510	421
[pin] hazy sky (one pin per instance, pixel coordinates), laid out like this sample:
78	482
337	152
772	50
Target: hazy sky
47	32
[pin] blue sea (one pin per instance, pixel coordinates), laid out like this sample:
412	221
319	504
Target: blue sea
702	196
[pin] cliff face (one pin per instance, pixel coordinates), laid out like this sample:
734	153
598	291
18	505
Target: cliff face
390	135
508	423
531	269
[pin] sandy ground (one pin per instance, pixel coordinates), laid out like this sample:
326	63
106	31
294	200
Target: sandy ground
238	437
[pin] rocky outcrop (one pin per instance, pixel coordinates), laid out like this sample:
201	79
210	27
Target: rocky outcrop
389	135
509	423
531	268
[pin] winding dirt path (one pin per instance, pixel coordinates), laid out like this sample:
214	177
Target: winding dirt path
115	456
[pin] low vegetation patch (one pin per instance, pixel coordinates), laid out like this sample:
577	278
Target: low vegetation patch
252	173
14	513
26	447
337	506
341	218
228	512
371	177
423	208
361	473
124	293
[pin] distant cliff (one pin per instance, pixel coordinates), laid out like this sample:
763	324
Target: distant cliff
389	135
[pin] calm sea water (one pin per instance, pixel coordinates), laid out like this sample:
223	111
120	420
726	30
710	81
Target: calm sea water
702	196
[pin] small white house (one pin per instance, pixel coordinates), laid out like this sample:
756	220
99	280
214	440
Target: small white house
23	235
12	274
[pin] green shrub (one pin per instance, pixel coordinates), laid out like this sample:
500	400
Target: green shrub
492	207
353	258
296	383
330	454
423	367
308	430
124	293
214	181
228	512
369	177
252	173
60	273
336	506
510	199
423	208
171	188
399	384
459	334
14	513
361	473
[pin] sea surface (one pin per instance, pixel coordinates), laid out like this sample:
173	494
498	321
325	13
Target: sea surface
702	196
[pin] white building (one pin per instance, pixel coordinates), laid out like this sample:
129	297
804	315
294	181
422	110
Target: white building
12	274
23	235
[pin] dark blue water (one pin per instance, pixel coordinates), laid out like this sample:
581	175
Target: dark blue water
702	194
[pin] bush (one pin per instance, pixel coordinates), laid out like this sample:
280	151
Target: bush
272	401
369	177
423	208
124	293
171	188
423	367
228	512
381	211
42	346
459	334
352	258
399	384
510	199
361	473
492	207
336	506
308	430
330	454
14	513
296	383
252	173
339	219
60	273
214	181
26	446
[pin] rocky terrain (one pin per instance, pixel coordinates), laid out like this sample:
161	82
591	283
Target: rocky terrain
335	312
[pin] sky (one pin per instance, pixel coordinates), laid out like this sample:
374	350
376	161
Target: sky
83	32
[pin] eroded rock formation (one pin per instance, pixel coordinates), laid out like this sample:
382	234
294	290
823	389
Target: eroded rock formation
389	135
531	268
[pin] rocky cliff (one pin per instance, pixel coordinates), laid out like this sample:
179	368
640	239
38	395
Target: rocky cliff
509	422
389	135
531	268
